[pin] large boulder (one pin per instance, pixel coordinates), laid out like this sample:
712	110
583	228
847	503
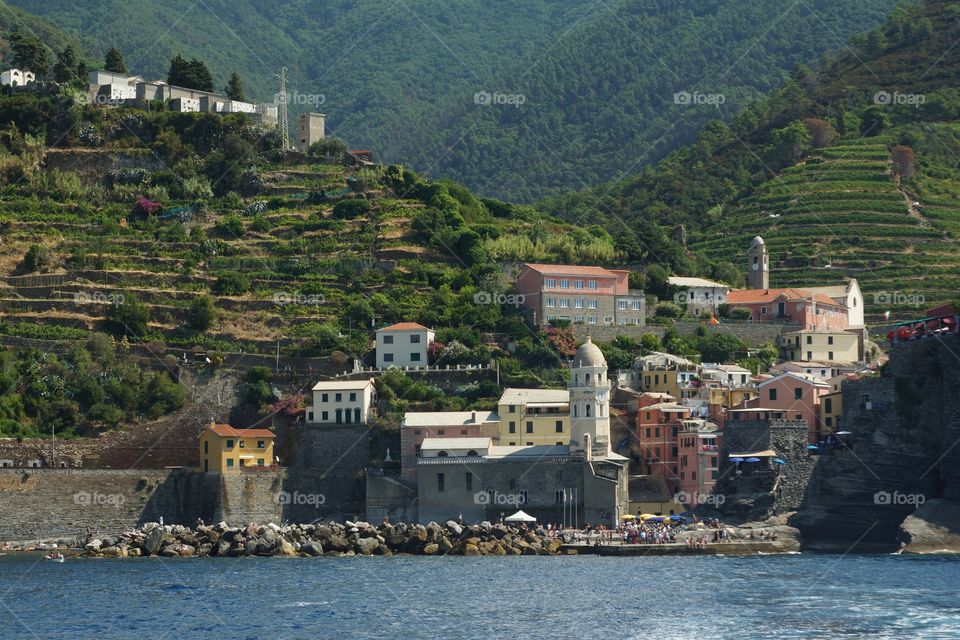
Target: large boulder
454	527
431	549
933	527
367	545
154	539
312	548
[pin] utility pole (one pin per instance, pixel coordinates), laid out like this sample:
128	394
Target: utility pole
282	122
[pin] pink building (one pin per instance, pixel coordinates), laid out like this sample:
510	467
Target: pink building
698	447
659	420
418	426
584	295
796	396
814	311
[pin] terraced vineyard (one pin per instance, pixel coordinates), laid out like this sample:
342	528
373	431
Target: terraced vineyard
841	212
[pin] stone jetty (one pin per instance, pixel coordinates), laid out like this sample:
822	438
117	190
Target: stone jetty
332	539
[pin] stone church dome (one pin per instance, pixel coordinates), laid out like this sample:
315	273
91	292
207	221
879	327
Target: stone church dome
589	355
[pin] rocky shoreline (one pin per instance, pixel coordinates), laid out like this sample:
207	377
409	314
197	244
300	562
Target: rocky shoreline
311	540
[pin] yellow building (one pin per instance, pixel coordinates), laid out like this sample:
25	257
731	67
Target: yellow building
224	449
831	404
534	417
667	373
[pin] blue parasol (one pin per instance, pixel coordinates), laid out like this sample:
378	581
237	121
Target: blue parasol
812	447
737	460
753	460
779	461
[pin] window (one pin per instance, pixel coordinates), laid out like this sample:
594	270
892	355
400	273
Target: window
809	339
416	432
416	450
325	397
656	432
242	444
550	282
829	339
229	463
463	432
440	483
830	355
608	320
325	416
564	284
622	305
551	302
353	396
559	426
648	432
414	357
388	357
828	405
529	426
415	339
578	284
578	319
564	303
578	303
586	411
829	422
387	339
635	305
798	393
592	320
338	397
592	284
513	427
440	432
591	304
469	478
229	444
773	394
648	416
763	311
809	355
261	462
206	446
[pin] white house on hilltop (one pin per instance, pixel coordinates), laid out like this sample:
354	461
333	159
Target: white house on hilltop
343	402
403	345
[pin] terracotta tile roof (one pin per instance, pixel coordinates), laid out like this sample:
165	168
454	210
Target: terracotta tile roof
227	431
754	296
405	326
573	270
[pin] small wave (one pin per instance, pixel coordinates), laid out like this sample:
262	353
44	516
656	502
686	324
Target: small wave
303	604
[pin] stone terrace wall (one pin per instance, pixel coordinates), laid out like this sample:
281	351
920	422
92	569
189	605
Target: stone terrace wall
328	461
750	333
47	503
251	497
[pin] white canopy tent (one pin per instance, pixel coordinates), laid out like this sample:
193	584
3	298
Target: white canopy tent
520	516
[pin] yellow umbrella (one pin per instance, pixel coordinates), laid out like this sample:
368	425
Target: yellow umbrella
627	516
647	516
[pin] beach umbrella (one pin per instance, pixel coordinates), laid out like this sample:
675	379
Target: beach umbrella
779	461
627	516
752	460
812	447
737	460
844	433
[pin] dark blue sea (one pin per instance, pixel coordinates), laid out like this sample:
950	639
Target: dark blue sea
799	596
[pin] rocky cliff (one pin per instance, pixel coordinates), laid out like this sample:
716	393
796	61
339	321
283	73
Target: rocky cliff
905	454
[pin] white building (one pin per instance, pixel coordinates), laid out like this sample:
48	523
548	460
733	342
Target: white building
698	293
236	106
589	390
403	345
849	295
343	402
17	77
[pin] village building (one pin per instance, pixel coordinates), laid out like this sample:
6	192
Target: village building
581	295
822	370
667	373
224	449
403	344
418	426
812	311
534	417
796	396
698	294
821	346
343	402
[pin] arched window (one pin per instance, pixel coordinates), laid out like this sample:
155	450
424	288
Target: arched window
441	454
587	410
576	378
471	453
576	414
586	377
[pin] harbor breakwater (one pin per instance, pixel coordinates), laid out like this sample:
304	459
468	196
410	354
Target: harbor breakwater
330	539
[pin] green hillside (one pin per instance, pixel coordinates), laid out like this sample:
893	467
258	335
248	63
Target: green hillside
813	168
400	78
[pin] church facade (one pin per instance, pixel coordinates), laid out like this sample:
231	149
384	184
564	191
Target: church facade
575	484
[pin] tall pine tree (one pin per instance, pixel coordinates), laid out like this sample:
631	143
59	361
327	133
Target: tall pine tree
234	88
114	61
